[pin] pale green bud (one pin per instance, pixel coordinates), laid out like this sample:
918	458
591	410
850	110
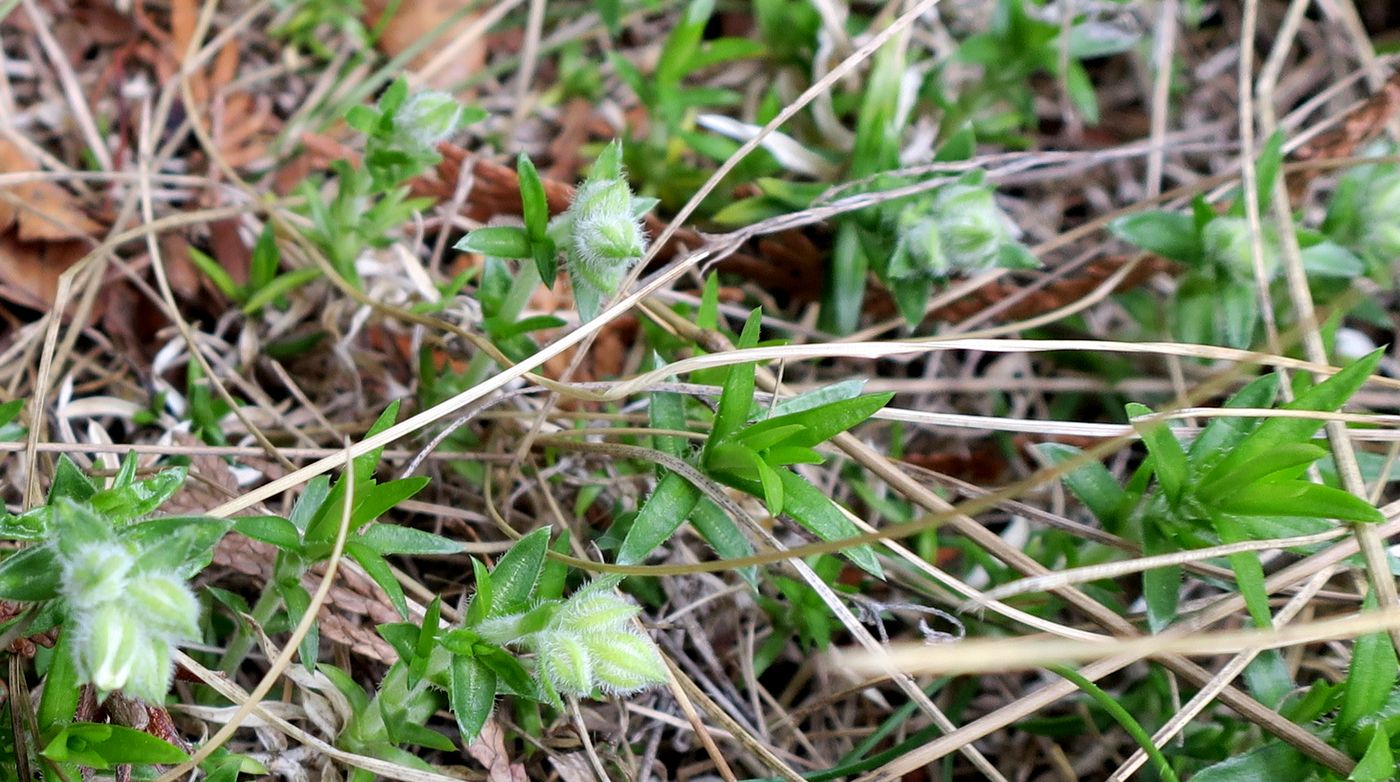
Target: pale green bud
624	662
589	611
972	228
95	573
427	118
566	661
607	239
150	676
1228	243
165	604
109	645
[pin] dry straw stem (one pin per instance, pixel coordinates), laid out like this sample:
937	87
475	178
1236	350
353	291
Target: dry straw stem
989	656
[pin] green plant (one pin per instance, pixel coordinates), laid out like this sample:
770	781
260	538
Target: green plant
1217	301
1015	47
584	645
600	236
114	586
372	200
754	450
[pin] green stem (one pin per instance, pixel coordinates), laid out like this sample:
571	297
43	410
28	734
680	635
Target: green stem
242	641
1121	715
526	280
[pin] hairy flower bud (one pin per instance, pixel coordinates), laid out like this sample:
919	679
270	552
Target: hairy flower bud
109	646
166	604
427	118
95	573
1228	243
624	662
567	663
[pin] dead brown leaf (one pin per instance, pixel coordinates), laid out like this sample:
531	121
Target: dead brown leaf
489	750
412	22
29	271
42	210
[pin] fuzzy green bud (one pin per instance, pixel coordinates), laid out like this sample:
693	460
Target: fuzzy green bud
607	239
166	605
427	118
109	646
95	573
1228	243
150	676
972	227
624	662
567	663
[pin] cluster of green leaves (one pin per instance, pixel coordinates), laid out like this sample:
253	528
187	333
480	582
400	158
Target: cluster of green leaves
308	22
78	514
1018	45
307	537
264	285
1364	213
660	158
1243	479
753	449
1217	299
581	645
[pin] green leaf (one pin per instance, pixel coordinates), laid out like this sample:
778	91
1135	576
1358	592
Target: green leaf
1273	762
824	422
1328	395
808	400
30	575
269	529
427	636
737	397
1297	498
682	43
266	258
497	242
1168	234
532	198
1223	434
708	316
216	274
140	498
388	538
183	544
511	676
1091	482
609	162
514	577
471	695
380	572
483	597
1270	162
102	746
1370	679
1168	457
298	602
723	535
1161	587
278	287
772	485
1289	460
1378	764
660	515
309	504
806	505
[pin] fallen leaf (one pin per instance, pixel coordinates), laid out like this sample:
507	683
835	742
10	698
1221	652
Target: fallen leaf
42	210
29	271
412	22
489	750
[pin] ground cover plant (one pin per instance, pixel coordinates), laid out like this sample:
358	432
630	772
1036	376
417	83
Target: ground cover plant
695	389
